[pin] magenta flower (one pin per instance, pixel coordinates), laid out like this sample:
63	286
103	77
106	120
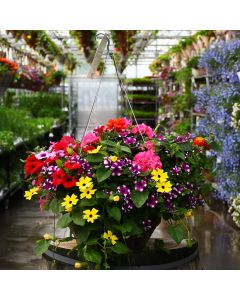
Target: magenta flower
147	160
147	224
144	129
89	139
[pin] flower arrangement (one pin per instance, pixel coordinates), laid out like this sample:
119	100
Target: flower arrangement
113	188
234	210
7	65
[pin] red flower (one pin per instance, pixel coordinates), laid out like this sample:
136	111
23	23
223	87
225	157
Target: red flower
68	181
99	129
87	148
70	165
117	124
67	139
32	165
60	146
201	142
58	177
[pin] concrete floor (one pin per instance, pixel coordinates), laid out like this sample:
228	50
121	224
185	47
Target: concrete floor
23	224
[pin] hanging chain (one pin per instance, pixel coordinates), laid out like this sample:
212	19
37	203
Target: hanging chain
123	90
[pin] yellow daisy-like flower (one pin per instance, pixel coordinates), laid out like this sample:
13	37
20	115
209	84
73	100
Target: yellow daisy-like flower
90	215
113	158
95	150
110	236
188	213
116	198
87	193
28	194
47	237
69	202
164	187
77	265
159	175
84	183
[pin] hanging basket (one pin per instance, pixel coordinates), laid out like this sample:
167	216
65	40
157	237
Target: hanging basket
5	81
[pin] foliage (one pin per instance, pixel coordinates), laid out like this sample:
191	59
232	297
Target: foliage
193	62
183	127
183	76
6	140
143	97
138	81
183	102
114	187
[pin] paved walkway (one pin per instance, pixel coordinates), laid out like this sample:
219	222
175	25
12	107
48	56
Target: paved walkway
23	224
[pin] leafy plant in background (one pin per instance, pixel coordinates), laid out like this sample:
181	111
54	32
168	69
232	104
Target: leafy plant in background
6	140
113	188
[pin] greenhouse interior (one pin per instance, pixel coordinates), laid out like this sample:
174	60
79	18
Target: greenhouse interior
119	149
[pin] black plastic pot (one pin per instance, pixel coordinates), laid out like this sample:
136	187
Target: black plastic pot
183	258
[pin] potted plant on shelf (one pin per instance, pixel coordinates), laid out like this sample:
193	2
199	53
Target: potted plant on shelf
115	186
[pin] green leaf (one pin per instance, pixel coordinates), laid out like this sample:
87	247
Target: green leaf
41	247
55	206
93	255
102	174
120	248
92	241
180	155
135	229
87	202
139	198
125	149
176	232
109	143
82	236
115	213
64	221
101	195
77	218
94	157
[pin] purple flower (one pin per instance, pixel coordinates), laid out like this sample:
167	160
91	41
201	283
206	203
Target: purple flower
185	167
161	138
147	224
107	162
140	185
52	169
125	191
175	171
177	189
183	138
130	140
169	205
135	169
152	201
192	201
116	169
189	186
47	185
128	205
44	154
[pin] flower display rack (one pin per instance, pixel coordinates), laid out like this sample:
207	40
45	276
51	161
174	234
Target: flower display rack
142	93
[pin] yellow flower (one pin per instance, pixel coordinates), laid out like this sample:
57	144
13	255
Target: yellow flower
84	183
188	213
110	236
116	198
77	265
28	194
87	193
95	150
91	215
164	187
159	175
47	237
69	202
113	158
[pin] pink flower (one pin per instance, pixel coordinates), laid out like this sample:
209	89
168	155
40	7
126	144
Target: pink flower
147	160
144	129
42	202
149	145
89	139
